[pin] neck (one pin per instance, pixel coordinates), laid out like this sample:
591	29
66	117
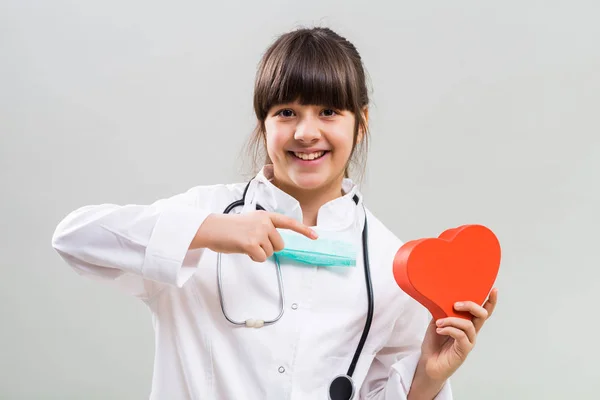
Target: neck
312	200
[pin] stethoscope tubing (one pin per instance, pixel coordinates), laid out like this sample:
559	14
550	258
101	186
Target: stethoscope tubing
368	283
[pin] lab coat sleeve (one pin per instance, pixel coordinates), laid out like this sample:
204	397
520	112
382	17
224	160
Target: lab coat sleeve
391	373
140	247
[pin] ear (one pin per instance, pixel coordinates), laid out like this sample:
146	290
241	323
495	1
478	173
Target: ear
361	133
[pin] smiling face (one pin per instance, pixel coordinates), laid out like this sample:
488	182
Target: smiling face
310	100
309	145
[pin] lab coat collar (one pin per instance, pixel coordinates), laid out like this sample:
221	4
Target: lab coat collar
337	214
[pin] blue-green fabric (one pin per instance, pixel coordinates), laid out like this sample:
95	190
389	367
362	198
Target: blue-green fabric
330	249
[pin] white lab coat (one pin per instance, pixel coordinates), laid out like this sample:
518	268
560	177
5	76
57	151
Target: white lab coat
199	354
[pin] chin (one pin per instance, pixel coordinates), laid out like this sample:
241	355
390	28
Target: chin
309	184
309	181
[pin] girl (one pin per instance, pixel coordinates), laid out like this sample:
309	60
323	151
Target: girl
233	320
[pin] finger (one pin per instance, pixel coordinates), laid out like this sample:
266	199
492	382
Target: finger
257	254
483	313
276	240
267	247
460	323
464	346
472	308
490	304
282	221
479	313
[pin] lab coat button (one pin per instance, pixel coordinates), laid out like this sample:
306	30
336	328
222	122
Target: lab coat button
294	306
281	370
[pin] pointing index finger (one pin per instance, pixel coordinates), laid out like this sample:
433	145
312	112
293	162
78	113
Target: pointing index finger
282	221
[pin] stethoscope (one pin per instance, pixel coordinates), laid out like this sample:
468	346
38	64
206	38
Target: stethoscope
342	386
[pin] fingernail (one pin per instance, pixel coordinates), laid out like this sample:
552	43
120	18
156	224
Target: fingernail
439	322
314	234
459	304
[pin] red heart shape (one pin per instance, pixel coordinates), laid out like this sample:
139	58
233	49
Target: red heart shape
460	265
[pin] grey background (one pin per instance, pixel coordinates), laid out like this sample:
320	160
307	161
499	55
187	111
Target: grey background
482	112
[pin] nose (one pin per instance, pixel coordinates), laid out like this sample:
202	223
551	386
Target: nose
307	130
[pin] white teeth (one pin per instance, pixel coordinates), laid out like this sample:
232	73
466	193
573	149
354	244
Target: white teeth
309	156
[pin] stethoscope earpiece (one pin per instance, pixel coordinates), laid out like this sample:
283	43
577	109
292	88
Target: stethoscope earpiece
341	388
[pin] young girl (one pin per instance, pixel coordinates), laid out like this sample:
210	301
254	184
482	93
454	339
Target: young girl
233	319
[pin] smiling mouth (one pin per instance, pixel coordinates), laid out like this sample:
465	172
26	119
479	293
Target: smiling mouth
309	156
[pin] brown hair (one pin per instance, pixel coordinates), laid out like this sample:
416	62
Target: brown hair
312	66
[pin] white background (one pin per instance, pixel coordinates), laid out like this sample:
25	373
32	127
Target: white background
483	112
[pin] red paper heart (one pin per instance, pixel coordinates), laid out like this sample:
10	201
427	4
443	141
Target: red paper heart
460	265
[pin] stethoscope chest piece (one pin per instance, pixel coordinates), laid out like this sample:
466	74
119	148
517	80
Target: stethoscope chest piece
341	388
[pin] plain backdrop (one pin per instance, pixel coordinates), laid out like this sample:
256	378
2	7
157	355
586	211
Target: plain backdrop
482	112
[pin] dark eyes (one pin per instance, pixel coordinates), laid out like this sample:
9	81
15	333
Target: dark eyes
288	113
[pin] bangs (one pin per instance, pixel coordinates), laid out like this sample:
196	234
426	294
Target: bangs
307	70
311	66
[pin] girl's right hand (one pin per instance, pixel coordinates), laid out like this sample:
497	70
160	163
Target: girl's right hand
254	233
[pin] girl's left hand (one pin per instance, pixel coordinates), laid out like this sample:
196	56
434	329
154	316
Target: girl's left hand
448	341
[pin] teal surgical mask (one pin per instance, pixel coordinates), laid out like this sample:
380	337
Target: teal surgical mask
330	249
